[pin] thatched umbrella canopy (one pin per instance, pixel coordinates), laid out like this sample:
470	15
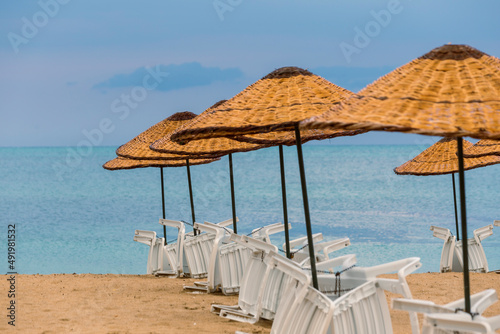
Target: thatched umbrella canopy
441	158
209	147
277	102
482	148
120	163
138	147
451	91
136	154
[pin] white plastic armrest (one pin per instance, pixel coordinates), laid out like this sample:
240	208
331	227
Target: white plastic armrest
421	306
207	228
482	300
303	240
496	222
271	229
333	245
227	222
252	243
494	322
459	322
441	232
483	232
479	301
171	223
144	237
403	267
345	261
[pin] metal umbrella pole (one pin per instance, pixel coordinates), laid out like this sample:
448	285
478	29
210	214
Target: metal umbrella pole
285	209
191	195
233	204
455	204
163	204
306	207
463	216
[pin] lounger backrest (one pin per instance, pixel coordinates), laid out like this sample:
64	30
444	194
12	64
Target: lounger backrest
274	285
214	278
233	259
252	283
362	310
477	257
197	250
446	263
302	309
308	312
155	258
174	252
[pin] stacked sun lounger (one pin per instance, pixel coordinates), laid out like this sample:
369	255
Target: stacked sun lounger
451	254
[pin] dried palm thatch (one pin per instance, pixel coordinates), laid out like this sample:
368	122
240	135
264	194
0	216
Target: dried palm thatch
288	137
441	158
452	91
277	102
482	148
138	148
126	163
206	147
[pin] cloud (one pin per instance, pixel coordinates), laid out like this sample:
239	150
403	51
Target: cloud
179	76
352	78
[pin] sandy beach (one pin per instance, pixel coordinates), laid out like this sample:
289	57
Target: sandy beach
88	303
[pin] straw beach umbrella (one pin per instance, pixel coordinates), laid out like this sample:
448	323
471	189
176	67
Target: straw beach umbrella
441	158
138	149
209	147
277	102
452	91
482	148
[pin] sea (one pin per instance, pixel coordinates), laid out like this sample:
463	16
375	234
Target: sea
72	216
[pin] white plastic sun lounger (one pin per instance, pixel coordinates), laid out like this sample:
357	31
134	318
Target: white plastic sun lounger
163	259
450	318
362	310
262	285
228	260
233	256
451	254
173	254
198	249
155	255
201	254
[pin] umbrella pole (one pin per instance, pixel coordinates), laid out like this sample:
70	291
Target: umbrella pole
463	216
231	179
285	209
191	194
455	203
163	204
306	207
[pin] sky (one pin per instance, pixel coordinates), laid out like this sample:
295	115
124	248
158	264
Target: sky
104	71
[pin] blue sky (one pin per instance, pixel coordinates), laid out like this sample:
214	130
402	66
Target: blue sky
67	65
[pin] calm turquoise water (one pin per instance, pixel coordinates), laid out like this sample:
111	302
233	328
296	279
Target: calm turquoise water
72	216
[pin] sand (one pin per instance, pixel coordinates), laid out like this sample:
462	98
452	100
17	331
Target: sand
88	303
